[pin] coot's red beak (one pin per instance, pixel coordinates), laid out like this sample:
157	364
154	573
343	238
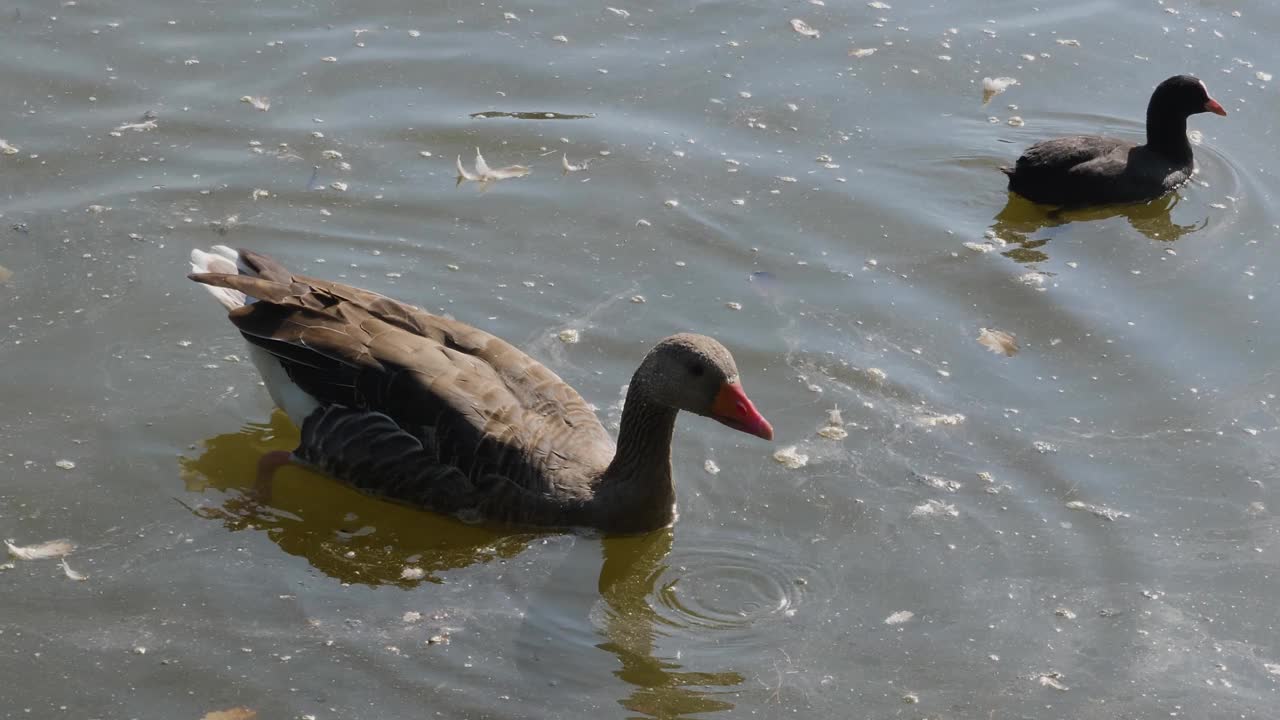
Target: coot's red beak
1213	107
733	408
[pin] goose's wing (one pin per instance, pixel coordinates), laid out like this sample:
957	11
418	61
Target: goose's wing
474	401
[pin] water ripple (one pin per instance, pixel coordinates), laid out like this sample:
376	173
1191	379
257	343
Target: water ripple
732	587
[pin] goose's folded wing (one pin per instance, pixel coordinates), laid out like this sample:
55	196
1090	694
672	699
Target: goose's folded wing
489	407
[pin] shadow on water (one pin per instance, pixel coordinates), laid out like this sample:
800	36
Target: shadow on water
357	539
344	534
1021	219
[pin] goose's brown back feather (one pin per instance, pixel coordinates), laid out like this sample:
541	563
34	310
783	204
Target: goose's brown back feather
495	430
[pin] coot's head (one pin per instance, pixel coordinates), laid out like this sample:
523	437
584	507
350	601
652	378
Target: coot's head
1182	95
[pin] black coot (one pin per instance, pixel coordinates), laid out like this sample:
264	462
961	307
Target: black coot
1094	170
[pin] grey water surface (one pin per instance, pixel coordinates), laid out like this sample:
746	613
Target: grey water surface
1084	529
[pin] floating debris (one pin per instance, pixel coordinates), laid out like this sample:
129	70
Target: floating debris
5	274
412	573
7	149
1263	76
1101	511
834	429
619	12
937	483
72	574
569	336
637	299
1044	448
1065	613
569	167
412	616
711	467
934	508
998	341
415	33
560	38
1051	679
484	174
671	203
899	617
1016	121
936	419
143	126
877	375
338	185
42	551
876	4
733	305
909	698
861	52
329	58
65	465
528	115
992	87
803	28
1032	279
1272	668
258	103
509	16
235	713
1068	43
790	458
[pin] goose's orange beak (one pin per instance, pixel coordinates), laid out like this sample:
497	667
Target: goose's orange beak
733	408
1213	107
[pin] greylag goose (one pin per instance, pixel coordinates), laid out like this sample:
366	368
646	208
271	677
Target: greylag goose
1086	170
432	412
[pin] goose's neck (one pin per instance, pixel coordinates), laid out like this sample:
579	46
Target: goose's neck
639	477
1167	135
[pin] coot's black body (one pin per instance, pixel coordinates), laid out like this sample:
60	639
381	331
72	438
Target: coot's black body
1092	170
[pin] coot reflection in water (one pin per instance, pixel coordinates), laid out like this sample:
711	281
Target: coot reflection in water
1020	219
356	539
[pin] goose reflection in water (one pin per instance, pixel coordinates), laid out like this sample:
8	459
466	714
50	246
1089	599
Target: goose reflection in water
324	522
1020	219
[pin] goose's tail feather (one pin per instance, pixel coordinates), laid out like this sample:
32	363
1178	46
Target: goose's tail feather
223	260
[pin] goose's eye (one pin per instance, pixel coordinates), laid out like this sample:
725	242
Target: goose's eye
696	370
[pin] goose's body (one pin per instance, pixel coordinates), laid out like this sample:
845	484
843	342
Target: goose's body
429	411
1084	170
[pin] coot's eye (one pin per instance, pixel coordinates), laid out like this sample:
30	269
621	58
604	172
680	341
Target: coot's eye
696	370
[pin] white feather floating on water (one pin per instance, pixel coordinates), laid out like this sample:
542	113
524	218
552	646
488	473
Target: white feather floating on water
992	87
142	126
998	341
804	28
484	174
570	167
72	574
42	551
